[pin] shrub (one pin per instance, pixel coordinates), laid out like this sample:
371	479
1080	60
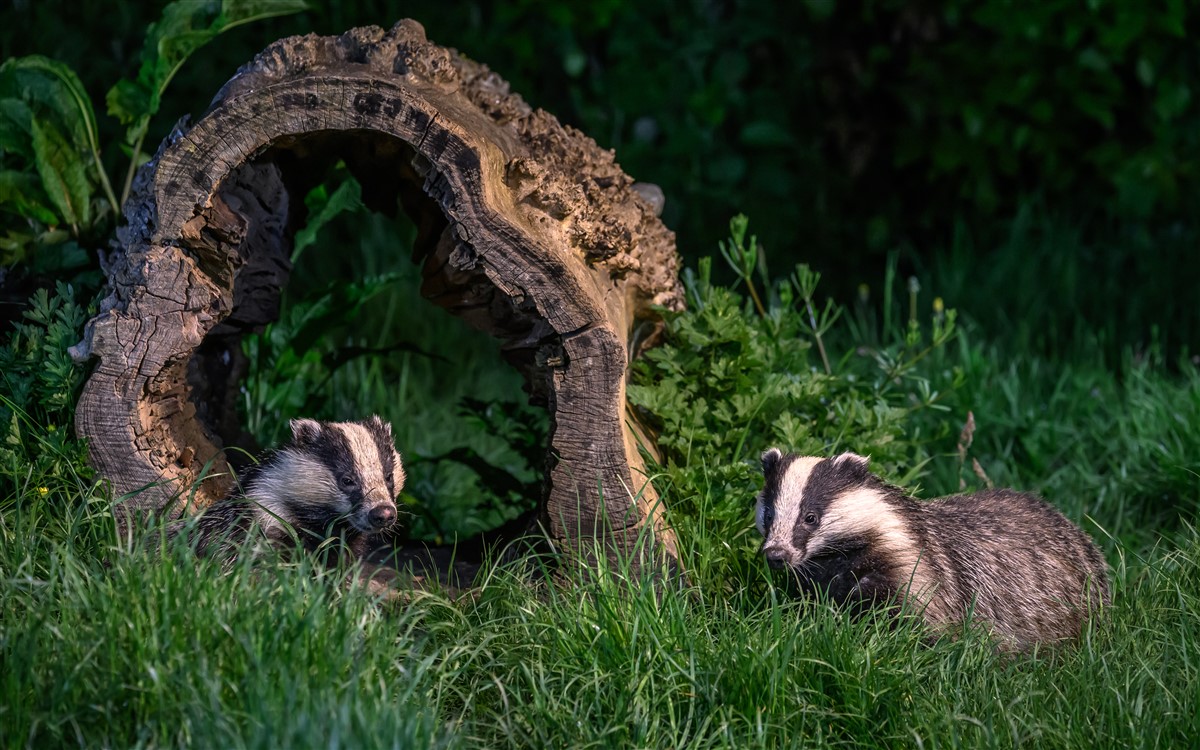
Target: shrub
738	375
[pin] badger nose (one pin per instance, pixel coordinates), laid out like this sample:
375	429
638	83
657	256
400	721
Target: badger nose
382	516
776	558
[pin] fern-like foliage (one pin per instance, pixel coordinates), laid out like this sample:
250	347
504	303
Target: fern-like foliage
39	385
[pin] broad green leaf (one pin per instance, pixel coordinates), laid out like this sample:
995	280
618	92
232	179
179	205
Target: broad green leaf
22	193
185	26
63	173
766	133
56	260
15	134
51	87
237	12
128	102
322	210
16	247
1094	107
51	92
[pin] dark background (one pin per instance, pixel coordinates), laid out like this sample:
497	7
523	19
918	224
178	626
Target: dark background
1023	144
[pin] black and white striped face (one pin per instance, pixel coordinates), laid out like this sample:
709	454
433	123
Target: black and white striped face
333	471
810	506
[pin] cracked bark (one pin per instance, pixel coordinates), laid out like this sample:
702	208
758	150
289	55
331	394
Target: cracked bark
526	229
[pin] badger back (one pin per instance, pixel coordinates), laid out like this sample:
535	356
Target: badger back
1023	568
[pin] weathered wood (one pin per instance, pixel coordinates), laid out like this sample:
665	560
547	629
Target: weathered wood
526	229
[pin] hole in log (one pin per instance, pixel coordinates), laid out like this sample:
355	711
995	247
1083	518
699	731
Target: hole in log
449	516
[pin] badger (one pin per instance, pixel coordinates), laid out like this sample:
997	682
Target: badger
999	558
334	481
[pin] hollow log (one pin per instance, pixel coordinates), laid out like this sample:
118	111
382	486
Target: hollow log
526	229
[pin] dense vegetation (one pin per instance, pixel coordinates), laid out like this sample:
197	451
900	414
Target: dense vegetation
849	130
1016	254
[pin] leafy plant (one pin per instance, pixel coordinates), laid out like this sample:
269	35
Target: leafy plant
505	489
293	360
185	26
52	171
733	379
39	385
743	257
50	148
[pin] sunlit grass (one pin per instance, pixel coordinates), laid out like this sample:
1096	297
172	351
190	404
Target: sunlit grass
1116	450
106	645
108	641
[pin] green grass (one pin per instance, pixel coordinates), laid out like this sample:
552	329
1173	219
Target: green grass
104	646
1119	448
110	645
114	642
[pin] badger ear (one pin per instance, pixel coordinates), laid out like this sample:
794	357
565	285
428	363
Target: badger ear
852	461
770	460
378	422
305	431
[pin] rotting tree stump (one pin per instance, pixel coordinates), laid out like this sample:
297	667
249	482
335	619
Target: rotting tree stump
526	229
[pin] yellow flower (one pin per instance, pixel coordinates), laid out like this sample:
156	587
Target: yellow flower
938	305
43	490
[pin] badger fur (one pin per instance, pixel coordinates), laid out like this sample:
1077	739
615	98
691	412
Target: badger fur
1000	558
333	481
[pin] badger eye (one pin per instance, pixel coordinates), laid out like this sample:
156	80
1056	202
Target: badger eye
810	519
347	481
768	516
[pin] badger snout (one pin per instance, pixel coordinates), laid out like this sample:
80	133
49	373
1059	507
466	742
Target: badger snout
778	556
376	512
381	516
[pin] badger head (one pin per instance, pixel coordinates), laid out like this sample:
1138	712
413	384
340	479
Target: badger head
811	508
333	473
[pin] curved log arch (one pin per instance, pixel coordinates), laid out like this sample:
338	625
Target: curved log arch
526	229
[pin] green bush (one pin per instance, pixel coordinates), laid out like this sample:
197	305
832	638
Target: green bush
737	375
57	203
